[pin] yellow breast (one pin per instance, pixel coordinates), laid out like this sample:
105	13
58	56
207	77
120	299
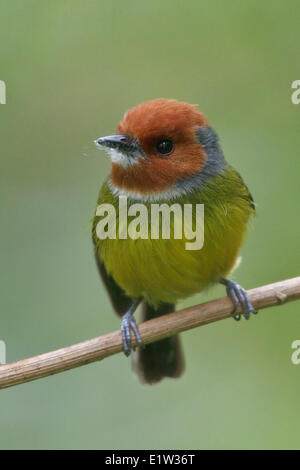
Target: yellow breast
164	270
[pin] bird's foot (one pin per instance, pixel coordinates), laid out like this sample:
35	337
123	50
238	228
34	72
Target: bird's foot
128	324
238	296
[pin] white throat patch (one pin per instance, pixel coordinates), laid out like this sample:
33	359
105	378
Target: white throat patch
120	158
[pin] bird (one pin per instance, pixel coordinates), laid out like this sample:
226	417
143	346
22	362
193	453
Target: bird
165	151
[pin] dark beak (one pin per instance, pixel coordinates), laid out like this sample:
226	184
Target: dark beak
122	143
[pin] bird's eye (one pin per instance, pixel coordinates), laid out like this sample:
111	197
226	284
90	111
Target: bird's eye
165	146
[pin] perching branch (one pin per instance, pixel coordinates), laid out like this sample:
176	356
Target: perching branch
97	349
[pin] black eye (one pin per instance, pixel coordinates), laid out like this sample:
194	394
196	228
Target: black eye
165	146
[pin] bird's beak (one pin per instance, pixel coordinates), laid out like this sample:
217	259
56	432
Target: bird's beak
121	143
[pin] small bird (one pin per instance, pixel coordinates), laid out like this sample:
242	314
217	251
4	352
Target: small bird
165	152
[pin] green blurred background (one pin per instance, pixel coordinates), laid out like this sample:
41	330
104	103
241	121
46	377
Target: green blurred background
71	69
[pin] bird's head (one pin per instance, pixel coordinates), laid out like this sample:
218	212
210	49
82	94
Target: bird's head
161	148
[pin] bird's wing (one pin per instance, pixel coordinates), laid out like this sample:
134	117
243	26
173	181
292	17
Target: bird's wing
246	195
120	301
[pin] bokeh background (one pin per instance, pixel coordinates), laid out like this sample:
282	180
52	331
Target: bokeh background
72	68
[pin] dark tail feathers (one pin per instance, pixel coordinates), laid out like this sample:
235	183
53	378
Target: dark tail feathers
164	358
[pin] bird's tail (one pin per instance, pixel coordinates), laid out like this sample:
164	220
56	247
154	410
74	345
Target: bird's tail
164	358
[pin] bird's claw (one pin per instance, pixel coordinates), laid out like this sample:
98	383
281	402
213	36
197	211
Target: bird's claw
238	296
128	324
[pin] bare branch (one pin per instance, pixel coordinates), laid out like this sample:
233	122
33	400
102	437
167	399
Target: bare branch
97	349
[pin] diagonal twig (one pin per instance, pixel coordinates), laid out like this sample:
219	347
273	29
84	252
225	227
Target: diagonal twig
99	348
